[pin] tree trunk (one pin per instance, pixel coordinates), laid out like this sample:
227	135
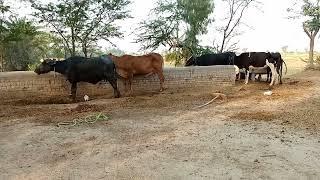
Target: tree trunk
311	52
2	63
73	39
312	34
222	45
85	50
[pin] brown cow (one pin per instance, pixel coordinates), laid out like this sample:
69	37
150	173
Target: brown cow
127	66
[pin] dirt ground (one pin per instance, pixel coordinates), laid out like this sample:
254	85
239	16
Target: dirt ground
162	136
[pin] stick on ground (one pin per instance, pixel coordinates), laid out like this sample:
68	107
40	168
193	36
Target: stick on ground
218	95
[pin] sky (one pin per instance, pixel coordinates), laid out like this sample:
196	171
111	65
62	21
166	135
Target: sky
266	29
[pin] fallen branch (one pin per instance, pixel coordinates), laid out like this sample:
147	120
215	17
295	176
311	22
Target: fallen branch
271	155
223	96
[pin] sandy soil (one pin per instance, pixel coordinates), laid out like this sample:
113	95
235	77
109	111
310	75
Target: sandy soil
162	136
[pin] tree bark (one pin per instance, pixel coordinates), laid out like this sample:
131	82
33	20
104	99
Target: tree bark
85	51
311	51
2	63
312	35
73	39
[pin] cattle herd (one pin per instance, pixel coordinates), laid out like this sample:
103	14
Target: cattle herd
110	68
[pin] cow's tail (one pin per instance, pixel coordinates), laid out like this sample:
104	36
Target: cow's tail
285	65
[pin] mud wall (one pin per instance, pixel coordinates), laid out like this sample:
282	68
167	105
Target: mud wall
20	85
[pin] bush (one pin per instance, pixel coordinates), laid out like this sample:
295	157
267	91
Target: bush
175	58
32	67
318	60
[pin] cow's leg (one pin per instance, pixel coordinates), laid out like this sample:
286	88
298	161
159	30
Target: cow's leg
277	75
253	76
125	83
149	74
273	72
116	92
161	78
247	76
280	73
73	91
259	77
130	77
270	75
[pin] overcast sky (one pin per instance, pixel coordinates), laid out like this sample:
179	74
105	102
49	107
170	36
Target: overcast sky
270	29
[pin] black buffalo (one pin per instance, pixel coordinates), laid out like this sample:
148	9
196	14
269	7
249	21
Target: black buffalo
80	69
226	58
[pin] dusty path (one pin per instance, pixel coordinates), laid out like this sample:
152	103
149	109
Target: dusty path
161	136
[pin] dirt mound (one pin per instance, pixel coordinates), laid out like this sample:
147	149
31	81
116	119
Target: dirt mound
38	101
87	108
257	115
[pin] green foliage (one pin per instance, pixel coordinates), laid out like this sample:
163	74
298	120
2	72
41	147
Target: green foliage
19	44
33	66
164	29
114	51
318	60
177	25
81	23
174	57
311	10
23	45
179	56
196	15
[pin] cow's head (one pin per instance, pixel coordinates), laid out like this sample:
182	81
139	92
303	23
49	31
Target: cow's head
45	66
113	57
271	58
191	61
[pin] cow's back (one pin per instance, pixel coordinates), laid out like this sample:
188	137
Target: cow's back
89	70
215	59
139	64
246	59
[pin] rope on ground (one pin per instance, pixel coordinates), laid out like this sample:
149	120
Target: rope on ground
88	119
218	95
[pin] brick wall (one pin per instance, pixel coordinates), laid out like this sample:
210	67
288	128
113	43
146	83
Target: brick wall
20	85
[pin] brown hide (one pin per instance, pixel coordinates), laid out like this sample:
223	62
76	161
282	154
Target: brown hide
127	66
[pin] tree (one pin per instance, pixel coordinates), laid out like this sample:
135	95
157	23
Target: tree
20	44
235	13
3	29
310	11
311	26
81	23
176	25
285	48
196	15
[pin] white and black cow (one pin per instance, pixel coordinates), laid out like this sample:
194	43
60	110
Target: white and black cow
270	61
80	69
